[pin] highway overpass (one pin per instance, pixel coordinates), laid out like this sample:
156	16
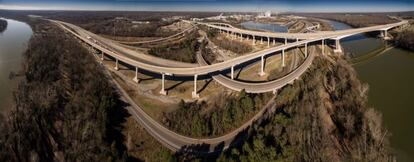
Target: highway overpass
120	54
176	141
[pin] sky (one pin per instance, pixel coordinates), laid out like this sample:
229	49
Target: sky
214	5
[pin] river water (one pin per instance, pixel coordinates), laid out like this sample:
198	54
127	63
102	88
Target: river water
264	26
13	43
389	73
390	77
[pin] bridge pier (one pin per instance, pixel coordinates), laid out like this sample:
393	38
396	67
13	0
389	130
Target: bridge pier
274	41
306	49
116	65
323	47
194	94
384	34
241	37
285	41
283	58
254	43
261	40
232	72
102	56
274	91
268	42
163	92
338	48
136	80
262	73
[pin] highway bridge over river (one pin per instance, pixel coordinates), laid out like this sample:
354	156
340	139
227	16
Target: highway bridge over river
164	67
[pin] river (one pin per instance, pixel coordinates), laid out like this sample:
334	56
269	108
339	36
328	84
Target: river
390	77
13	43
389	73
264	26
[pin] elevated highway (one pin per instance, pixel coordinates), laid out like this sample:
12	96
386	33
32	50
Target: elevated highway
176	141
334	35
194	70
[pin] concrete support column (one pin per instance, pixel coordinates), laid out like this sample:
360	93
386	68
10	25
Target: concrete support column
261	73
274	91
306	49
337	46
285	41
297	39
232	72
268	42
386	35
323	47
283	58
261	40
116	65
274	41
194	94
102	56
163	92
254	43
241	37
136	80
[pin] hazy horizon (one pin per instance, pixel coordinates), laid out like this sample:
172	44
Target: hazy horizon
213	5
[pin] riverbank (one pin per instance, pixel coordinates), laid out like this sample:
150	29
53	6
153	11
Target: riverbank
381	68
3	25
64	104
404	38
321	117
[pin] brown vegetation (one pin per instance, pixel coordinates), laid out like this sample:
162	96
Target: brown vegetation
128	24
357	20
183	51
405	38
66	110
207	53
322	117
228	44
218	116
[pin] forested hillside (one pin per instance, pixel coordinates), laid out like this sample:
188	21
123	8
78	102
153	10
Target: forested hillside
322	117
65	105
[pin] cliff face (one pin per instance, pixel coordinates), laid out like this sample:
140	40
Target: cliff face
321	117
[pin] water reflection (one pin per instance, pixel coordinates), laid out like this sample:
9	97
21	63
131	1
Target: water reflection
391	86
13	43
264	26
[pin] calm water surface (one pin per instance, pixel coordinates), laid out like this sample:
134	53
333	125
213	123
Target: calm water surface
13	43
263	26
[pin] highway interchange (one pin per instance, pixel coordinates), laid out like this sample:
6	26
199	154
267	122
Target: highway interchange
176	141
